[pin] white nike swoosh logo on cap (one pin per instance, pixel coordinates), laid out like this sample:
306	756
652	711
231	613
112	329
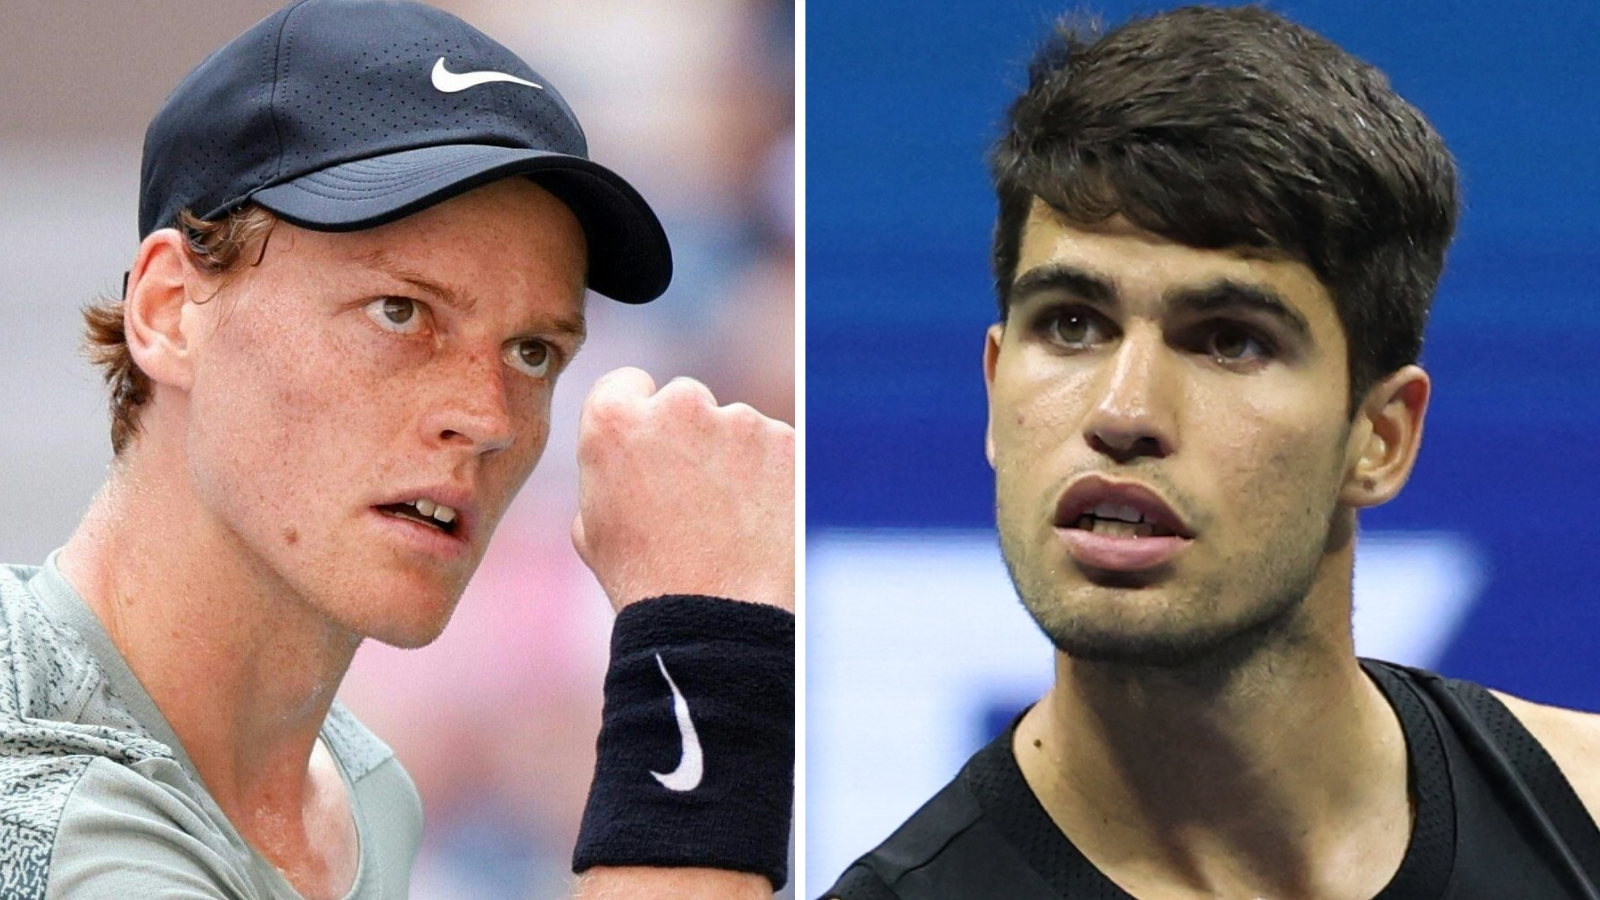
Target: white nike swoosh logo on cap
449	82
686	777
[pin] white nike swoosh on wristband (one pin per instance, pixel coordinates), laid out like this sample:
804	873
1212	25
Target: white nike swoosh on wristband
449	82
686	777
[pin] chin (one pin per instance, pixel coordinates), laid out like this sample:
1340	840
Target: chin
406	616
1157	650
409	638
408	634
1143	632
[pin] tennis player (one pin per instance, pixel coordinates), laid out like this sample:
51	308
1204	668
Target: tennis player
1217	242
367	231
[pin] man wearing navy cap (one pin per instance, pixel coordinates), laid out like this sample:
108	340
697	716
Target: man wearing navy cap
367	231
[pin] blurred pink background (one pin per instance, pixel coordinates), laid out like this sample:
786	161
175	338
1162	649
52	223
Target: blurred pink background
693	101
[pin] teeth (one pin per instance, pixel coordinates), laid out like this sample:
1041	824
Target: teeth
1116	511
1112	527
437	511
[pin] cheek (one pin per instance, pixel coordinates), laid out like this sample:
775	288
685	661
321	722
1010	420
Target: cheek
1278	451
533	434
308	388
1034	412
276	410
1036	427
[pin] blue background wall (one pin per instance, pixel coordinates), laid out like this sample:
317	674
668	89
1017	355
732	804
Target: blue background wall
903	100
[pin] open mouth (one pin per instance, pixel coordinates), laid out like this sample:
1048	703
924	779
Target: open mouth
1115	520
1118	510
426	512
1120	528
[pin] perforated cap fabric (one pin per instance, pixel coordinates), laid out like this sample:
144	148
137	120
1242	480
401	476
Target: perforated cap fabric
339	115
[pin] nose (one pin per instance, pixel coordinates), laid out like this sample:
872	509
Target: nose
473	409
1133	413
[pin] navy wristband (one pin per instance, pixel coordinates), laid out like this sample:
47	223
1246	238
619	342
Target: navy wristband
695	763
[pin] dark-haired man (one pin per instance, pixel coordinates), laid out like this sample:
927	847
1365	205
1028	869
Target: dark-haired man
366	234
1218	238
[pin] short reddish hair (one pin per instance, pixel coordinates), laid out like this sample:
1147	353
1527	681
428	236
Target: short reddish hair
215	247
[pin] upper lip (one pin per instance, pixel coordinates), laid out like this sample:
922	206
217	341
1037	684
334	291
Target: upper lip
457	498
1090	491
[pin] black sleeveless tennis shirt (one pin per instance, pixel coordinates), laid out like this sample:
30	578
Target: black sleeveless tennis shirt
1495	818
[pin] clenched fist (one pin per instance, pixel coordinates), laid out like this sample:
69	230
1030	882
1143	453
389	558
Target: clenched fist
677	495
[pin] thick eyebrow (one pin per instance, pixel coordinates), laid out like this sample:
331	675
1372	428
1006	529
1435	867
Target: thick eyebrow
574	326
1063	278
1227	294
1224	294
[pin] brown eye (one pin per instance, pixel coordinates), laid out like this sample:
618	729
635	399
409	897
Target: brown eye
398	310
401	315
532	357
1072	328
1232	344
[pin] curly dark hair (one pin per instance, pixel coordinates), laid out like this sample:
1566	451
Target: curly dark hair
1235	127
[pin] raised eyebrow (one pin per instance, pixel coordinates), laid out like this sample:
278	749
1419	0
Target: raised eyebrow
1066	279
1228	294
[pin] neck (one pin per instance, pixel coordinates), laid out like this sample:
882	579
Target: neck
1279	773
258	666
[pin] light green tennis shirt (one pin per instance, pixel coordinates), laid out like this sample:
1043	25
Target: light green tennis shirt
98	798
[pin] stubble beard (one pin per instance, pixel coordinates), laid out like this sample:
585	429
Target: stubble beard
1105	621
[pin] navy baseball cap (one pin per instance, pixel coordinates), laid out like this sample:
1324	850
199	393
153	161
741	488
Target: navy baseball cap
339	115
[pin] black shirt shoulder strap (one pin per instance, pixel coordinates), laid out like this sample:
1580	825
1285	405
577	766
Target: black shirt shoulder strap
1522	771
930	831
859	882
947	850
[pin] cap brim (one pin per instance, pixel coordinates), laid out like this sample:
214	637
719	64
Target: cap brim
629	258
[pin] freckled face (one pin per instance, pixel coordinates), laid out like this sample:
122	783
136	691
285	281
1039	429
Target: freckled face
1213	380
352	371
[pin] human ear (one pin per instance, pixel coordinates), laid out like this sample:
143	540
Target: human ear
153	306
991	358
1386	437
